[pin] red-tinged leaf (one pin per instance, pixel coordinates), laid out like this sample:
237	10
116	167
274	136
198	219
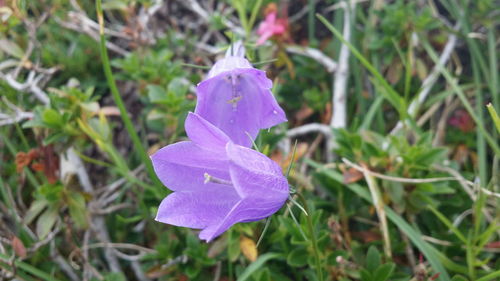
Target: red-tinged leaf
301	151
110	111
435	276
461	154
367	236
327	114
18	247
277	156
303	113
493	245
352	175
37	167
22	160
50	162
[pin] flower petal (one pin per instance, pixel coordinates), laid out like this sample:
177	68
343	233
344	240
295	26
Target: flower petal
204	134
246	210
181	166
254	175
240	103
197	209
229	63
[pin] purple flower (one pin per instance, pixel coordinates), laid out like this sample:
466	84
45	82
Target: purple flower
216	183
237	98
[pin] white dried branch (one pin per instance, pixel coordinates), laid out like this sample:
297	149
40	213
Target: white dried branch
315	54
310	128
78	21
341	75
194	6
31	85
18	116
339	100
341	5
139	273
395	179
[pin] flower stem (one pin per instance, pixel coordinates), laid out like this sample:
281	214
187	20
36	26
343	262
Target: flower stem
118	100
319	272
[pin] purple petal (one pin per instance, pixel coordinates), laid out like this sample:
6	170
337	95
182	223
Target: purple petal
240	103
254	175
204	134
181	166
228	63
246	210
197	209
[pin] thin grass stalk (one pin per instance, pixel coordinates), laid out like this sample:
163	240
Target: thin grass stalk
253	15
311	23
481	144
319	271
118	100
492	54
461	95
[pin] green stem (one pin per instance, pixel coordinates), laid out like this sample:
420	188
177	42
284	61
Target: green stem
319	272
118	100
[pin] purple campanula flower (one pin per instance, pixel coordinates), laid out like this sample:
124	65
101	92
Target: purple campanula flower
216	183
237	99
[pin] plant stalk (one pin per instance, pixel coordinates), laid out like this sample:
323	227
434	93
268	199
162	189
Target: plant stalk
310	227
118	100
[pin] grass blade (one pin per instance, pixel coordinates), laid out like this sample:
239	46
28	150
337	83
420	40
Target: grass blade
256	265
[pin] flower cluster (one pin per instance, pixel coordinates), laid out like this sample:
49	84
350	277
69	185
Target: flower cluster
217	179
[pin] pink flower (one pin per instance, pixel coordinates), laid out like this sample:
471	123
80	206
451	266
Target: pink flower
270	27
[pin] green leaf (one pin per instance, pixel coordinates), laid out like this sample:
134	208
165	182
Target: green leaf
384	272
372	259
415	236
494	116
256	265
233	246
114	5
491	276
297	257
52	118
365	275
459	278
35	209
77	210
46	221
114	276
11	48
157	94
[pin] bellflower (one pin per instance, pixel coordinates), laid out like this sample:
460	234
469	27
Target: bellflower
236	98
216	183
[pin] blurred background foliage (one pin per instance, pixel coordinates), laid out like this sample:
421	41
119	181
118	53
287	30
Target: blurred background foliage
407	189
